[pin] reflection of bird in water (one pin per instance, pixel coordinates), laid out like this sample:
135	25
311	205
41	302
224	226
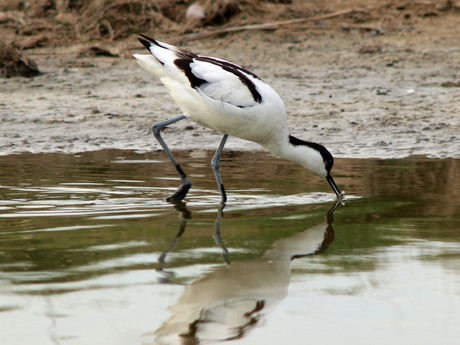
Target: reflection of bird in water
230	301
185	217
231	100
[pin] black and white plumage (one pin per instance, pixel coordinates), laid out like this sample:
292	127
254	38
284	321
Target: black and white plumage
231	100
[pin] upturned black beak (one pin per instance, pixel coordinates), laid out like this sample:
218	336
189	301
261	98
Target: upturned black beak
334	186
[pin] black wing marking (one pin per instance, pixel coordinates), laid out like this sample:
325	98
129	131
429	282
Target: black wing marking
184	64
187	58
147	42
240	72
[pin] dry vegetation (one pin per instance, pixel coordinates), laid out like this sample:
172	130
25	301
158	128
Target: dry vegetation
12	64
61	22
51	23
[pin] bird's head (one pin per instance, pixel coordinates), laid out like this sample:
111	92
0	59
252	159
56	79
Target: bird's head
317	158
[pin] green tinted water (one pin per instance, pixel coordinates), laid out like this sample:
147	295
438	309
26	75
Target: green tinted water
91	254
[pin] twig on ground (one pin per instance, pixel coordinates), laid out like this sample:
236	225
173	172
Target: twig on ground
270	26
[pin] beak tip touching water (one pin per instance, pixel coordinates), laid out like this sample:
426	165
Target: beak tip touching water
340	195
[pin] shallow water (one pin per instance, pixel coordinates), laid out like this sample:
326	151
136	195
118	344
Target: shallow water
90	253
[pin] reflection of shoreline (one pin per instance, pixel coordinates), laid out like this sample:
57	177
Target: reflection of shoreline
230	301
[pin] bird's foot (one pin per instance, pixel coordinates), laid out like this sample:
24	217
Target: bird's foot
223	196
180	193
341	198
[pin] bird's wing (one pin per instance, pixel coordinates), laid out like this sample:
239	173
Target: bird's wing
223	81
215	78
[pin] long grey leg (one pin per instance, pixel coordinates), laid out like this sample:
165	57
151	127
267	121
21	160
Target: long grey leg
215	162
182	191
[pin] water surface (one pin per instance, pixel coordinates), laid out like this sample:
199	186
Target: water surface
90	253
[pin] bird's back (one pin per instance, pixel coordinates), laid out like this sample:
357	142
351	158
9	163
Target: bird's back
216	93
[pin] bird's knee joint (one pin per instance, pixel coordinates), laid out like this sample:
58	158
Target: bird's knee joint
156	129
215	164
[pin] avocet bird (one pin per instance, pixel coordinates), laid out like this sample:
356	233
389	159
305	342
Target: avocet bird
220	95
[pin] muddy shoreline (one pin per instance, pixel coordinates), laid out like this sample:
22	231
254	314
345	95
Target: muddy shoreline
360	94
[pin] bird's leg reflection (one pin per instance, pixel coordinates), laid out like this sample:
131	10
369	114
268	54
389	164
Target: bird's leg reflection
217	234
185	216
230	301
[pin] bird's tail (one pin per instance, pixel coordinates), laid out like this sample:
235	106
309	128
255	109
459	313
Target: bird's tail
163	52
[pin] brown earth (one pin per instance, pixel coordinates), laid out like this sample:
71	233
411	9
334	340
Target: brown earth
365	78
